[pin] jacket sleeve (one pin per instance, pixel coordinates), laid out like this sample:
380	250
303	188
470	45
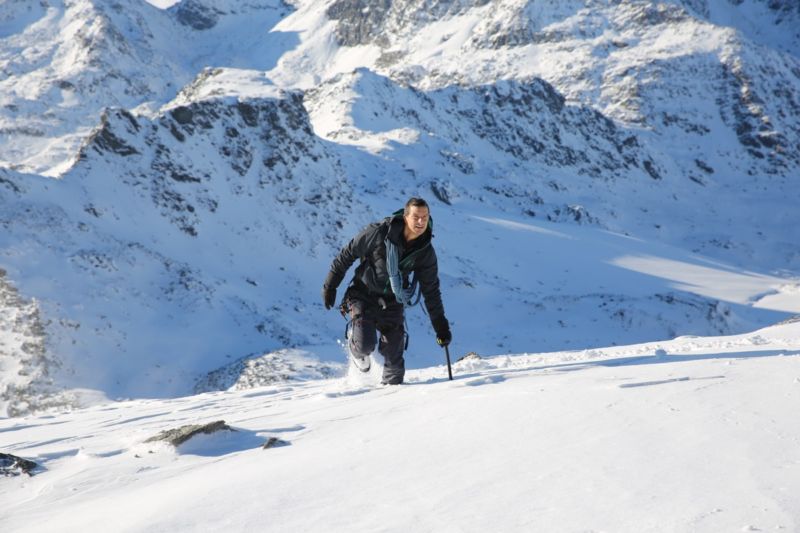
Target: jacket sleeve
358	247
427	273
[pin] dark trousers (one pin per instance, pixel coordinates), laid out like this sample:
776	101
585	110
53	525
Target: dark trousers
370	318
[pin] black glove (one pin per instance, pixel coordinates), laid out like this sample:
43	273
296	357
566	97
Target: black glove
328	297
442	328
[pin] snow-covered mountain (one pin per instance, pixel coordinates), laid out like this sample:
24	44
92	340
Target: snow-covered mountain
174	183
177	246
64	61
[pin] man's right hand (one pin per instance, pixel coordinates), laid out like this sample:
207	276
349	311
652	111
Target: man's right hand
328	297
442	328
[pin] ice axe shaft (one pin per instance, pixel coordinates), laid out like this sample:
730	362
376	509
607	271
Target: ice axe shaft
449	369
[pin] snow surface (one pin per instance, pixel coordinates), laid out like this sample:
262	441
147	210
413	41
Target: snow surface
163	4
689	435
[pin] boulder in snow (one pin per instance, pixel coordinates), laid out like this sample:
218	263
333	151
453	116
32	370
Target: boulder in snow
274	442
11	465
178	436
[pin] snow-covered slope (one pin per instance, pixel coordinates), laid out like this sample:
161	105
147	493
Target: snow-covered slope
690	435
158	241
171	196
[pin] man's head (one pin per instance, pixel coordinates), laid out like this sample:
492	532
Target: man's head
416	215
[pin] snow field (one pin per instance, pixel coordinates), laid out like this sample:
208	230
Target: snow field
695	435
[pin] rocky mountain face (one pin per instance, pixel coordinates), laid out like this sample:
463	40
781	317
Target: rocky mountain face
520	135
28	365
522	22
171	195
638	62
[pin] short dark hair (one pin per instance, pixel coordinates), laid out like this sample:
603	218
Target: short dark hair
415	202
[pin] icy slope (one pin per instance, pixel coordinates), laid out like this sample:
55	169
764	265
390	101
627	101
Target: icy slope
695	434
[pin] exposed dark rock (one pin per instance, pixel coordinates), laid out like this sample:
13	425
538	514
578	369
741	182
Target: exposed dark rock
92	211
572	213
744	110
277	130
440	193
274	442
652	14
527	120
360	21
462	162
183	177
182	114
702	165
106	139
389	58
178	436
697	180
177	133
258	371
651	169
520	34
471	356
784	6
11	465
364	21
249	113
6	182
194	14
36	392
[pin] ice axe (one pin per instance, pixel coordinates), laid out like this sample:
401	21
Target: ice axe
444	342
447	354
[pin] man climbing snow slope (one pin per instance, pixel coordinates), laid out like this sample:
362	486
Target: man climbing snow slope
390	252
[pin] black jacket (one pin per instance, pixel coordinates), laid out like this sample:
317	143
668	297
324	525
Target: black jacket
372	276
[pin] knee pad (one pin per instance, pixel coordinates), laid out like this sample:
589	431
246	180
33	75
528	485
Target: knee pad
361	343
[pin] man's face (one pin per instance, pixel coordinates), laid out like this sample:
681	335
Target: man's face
416	221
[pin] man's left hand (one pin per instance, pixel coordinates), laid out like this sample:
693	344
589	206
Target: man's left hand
442	328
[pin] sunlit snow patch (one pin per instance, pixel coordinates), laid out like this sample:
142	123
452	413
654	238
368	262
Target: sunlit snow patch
759	290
